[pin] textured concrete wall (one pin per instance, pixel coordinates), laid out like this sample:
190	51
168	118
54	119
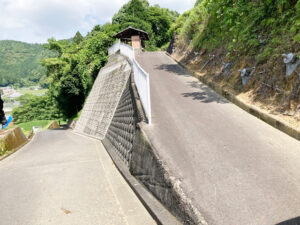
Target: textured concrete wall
121	132
146	166
104	97
12	139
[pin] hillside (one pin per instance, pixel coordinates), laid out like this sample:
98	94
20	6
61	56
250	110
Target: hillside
20	63
239	46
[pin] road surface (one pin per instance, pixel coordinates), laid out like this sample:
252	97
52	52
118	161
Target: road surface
235	168
61	178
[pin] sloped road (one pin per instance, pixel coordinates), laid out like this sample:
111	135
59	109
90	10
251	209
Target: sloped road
235	168
61	178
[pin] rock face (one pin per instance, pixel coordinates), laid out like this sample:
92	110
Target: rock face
104	98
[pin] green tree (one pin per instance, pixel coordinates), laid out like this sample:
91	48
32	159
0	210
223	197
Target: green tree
78	37
36	108
160	23
73	72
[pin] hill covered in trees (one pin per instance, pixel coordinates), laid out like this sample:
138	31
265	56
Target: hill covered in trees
20	63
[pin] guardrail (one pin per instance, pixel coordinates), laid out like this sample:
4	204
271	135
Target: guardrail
141	77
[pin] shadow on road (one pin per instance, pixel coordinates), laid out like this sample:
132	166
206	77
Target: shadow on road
173	68
63	127
204	94
294	221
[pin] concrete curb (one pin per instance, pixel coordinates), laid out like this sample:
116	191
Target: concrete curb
280	125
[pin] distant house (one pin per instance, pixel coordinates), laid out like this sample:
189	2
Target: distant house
15	95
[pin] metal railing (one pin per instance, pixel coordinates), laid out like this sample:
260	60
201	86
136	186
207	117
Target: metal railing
141	77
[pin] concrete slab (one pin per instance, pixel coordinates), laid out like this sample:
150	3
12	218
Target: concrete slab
62	178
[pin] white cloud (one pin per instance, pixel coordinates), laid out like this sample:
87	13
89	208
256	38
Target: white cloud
38	20
178	5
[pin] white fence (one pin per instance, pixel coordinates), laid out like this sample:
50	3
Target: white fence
142	82
113	49
127	51
141	78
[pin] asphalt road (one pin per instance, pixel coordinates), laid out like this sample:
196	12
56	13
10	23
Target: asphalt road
61	178
236	169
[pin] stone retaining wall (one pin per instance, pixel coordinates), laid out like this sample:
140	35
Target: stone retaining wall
104	98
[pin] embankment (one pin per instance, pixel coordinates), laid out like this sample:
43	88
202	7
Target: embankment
114	115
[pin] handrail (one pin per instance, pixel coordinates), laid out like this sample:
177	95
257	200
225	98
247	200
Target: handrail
141	77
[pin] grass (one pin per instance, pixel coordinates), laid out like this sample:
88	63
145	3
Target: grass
27	127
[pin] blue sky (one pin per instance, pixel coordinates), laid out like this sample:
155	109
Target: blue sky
35	21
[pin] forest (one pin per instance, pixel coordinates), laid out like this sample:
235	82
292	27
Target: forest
20	64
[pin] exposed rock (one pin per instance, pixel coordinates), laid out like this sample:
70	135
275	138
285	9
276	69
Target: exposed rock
53	125
246	74
291	63
226	68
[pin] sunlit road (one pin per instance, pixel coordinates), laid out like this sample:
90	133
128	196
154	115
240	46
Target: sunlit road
235	168
61	178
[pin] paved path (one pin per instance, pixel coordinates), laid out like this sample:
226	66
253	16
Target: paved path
64	179
235	168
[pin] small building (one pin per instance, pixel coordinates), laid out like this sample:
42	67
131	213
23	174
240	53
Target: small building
134	36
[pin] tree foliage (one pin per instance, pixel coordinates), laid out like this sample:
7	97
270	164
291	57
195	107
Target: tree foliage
20	63
241	26
36	108
154	20
73	72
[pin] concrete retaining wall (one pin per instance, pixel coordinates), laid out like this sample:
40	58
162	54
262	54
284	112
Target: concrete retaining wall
53	125
113	113
104	98
146	166
12	139
121	132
